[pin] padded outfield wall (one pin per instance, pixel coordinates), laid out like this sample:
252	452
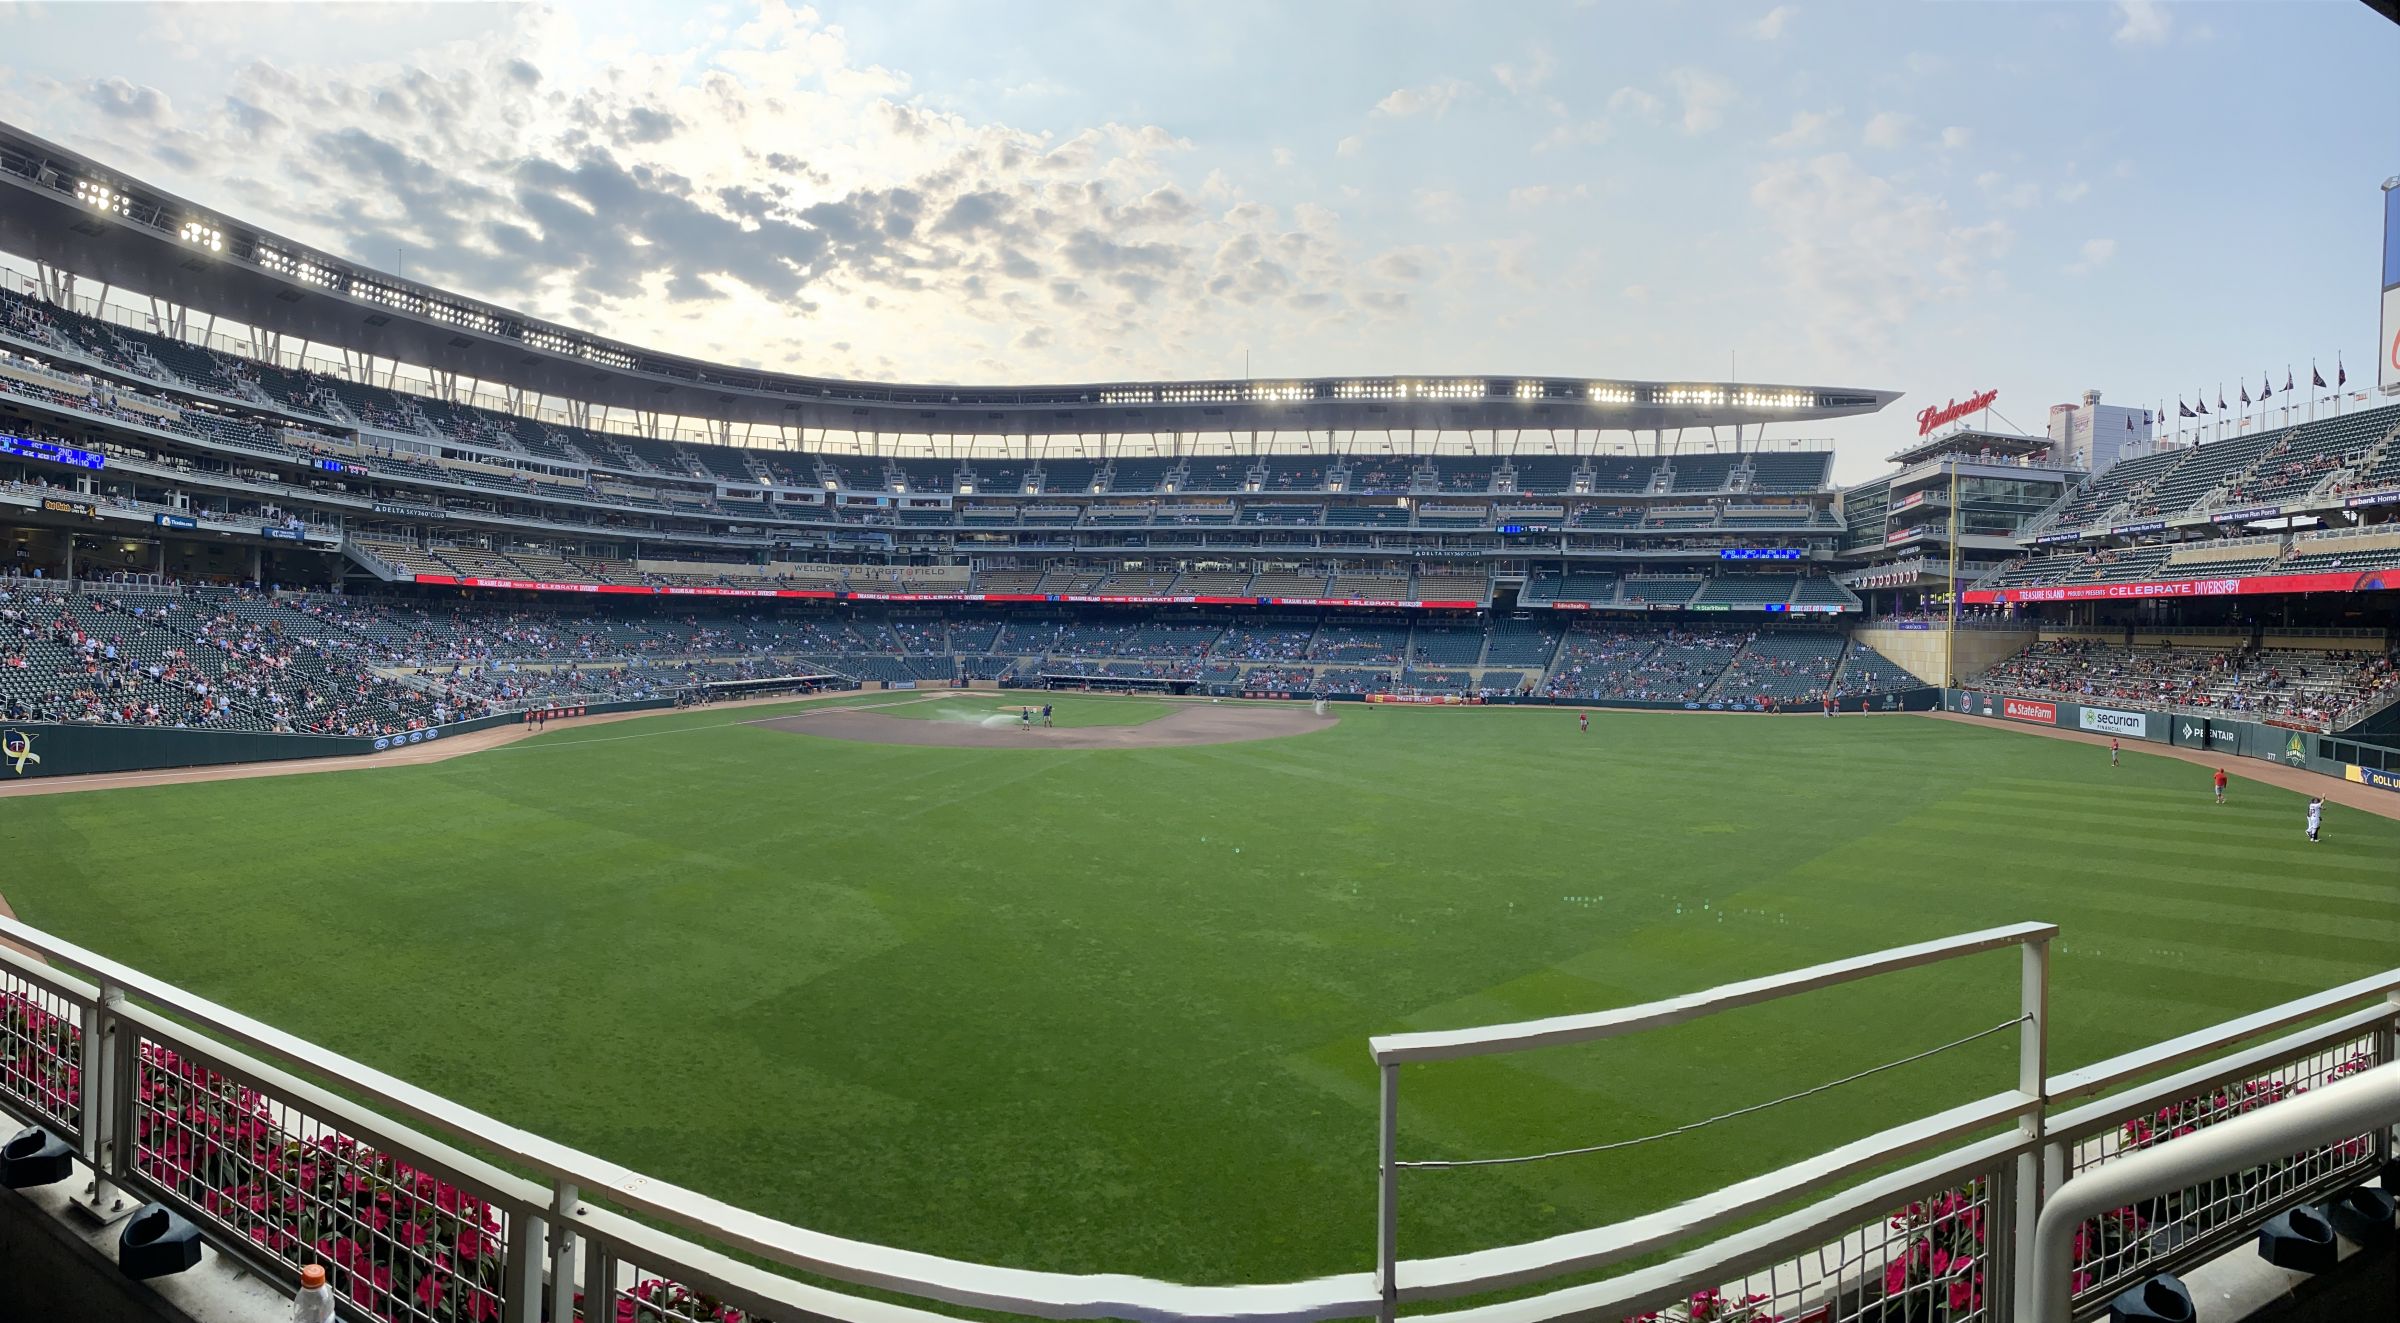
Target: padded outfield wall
2226	734
42	750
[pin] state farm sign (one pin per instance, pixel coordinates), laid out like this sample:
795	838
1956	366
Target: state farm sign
2024	709
1935	416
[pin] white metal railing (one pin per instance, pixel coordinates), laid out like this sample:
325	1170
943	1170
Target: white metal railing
2366	1105
169	1096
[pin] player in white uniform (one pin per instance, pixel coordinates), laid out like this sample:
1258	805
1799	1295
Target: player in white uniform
2316	813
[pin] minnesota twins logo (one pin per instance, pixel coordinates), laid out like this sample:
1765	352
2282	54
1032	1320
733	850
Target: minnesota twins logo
16	749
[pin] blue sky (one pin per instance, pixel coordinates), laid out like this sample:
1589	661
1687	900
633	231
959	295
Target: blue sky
1936	198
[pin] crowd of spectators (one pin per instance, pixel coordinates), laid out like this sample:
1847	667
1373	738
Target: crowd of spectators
2312	688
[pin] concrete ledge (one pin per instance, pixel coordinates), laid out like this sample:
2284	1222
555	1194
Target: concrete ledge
57	1262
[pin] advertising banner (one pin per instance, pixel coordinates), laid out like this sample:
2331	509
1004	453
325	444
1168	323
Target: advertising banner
2246	516
2368	776
2110	721
2343	581
2026	709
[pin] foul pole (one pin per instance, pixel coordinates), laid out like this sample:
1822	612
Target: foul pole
1950	633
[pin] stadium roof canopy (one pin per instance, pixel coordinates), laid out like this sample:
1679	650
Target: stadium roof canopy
72	213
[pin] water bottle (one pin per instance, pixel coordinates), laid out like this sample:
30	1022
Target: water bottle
314	1304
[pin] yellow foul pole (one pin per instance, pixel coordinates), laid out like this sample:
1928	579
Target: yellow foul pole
1950	635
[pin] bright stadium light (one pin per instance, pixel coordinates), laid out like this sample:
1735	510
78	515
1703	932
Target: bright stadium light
101	197
201	235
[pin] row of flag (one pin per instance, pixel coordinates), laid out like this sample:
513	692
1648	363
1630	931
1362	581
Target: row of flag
2198	408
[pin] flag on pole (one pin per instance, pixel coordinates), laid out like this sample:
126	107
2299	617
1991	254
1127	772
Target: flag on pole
2245	394
2287	376
2341	375
2266	387
2316	379
2182	410
2220	397
2200	405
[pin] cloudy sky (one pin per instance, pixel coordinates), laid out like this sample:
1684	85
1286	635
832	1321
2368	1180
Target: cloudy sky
1931	197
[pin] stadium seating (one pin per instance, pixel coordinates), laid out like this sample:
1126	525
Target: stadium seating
1782	667
1446	645
1523	643
1865	671
2313	688
1343	640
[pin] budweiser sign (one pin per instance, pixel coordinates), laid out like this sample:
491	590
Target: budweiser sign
1931	418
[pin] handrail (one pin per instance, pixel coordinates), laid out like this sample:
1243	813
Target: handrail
953	1281
1557	1030
588	1199
1577	1251
2089	1080
2107	1111
2366	1102
1711	1264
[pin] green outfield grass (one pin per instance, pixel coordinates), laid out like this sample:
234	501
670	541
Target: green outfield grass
1108	1010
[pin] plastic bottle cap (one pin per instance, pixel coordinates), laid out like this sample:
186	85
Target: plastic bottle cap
312	1276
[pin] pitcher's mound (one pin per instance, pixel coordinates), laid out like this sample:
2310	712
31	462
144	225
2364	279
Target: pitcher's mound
1190	725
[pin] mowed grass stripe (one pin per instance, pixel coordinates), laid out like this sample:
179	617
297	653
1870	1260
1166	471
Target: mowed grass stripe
1108	1010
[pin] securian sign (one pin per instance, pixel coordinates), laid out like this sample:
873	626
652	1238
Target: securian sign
1930	418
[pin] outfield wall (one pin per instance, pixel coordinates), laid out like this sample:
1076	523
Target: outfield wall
34	749
38	749
2230	735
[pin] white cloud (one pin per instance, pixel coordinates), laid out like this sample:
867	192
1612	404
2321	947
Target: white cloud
2141	23
1533	197
2096	253
764	199
1887	129
1771	24
1955	137
1526	79
1807	129
1434	98
1635	293
1575	133
1284	157
1859	257
1350	146
2074	192
1634	101
1438	205
1996	187
1704	97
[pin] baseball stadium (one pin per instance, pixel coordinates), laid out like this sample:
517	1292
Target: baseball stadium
505	824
